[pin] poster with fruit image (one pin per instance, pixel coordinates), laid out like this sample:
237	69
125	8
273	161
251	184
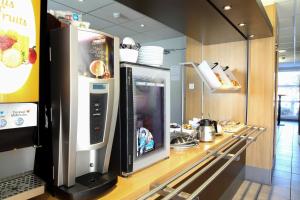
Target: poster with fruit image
19	50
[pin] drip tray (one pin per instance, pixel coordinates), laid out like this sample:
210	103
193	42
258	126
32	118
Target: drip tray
23	186
94	179
88	186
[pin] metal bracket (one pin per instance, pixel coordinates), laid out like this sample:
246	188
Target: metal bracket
227	157
180	196
243	136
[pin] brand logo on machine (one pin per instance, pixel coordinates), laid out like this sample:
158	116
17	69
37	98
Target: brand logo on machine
19	113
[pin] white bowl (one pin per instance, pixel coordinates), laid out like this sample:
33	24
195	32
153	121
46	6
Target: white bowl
151	62
151	55
128	40
129	55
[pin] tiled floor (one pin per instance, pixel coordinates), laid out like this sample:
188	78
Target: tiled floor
286	175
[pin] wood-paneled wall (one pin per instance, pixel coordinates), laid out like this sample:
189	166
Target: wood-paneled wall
227	106
261	99
216	106
262	88
192	97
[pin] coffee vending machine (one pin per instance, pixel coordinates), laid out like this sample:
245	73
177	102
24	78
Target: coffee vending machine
84	106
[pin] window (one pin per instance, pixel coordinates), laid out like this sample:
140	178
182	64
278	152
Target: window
288	85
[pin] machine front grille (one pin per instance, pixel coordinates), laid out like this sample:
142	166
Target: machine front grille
18	184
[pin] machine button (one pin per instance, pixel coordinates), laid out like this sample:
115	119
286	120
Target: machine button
3	123
19	121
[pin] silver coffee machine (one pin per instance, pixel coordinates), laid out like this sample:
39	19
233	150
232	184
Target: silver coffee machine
84	104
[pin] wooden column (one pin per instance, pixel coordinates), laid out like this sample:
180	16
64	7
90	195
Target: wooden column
261	96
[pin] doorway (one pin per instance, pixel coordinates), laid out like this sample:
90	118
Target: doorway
286	170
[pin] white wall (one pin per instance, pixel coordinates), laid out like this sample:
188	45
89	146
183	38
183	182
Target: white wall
16	161
172	61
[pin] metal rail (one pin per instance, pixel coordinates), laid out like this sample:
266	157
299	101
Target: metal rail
210	154
219	171
207	167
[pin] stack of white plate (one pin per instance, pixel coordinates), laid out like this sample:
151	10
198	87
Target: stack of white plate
151	55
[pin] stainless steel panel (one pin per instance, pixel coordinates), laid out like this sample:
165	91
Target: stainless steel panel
16	161
71	133
84	159
116	94
72	159
96	157
83	125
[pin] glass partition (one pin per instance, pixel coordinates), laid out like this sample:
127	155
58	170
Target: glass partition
288	85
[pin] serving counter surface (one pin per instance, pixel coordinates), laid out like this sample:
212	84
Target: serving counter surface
139	183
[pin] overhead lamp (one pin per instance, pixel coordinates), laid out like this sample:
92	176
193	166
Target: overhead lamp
227	7
242	24
81	0
116	15
251	36
142	25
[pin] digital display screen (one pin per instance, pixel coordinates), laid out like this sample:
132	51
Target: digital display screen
99	86
149	115
19	50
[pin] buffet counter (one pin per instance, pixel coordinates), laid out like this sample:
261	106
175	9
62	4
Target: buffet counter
140	182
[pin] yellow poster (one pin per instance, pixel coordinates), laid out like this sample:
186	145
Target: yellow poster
19	50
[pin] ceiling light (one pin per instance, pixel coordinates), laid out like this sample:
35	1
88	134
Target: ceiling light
242	24
81	0
227	7
116	15
281	51
142	25
251	36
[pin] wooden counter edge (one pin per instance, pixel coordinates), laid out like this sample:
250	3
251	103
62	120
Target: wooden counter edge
111	195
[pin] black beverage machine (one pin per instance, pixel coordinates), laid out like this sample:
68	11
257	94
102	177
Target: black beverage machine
82	112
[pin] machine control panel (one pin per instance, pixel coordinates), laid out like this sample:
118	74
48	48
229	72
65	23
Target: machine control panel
98	109
18	115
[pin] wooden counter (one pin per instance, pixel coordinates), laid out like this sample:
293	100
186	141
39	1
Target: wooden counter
139	183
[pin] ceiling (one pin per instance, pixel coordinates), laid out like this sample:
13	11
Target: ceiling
100	15
288	11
